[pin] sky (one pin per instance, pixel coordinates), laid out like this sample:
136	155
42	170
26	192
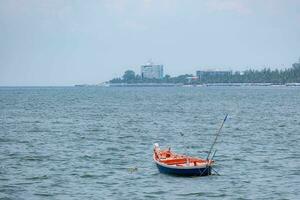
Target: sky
67	42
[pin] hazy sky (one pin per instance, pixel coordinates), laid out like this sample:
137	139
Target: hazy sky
65	42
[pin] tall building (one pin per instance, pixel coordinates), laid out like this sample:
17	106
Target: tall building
152	71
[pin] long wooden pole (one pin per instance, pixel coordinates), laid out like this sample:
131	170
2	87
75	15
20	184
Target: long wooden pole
217	135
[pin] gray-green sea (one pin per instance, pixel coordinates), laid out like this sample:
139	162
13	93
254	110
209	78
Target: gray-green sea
96	142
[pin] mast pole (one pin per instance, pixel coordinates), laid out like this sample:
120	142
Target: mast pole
217	135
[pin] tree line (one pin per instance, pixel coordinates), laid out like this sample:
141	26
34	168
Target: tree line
290	75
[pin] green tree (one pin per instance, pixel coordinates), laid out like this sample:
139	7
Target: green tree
129	76
116	80
167	78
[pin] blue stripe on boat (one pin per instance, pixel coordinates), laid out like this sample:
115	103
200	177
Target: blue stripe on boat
205	171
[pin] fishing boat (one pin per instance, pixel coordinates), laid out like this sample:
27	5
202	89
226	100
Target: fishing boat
169	162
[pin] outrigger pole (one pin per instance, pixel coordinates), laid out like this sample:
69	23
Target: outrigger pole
218	133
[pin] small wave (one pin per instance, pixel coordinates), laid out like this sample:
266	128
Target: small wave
107	161
295	172
24	183
112	149
215	195
23	141
37	130
87	157
125	136
93	130
37	177
44	194
89	176
198	194
156	192
34	158
4	140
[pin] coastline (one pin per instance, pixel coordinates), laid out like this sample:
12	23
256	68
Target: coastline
183	85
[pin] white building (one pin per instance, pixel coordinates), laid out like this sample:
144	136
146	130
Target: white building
152	71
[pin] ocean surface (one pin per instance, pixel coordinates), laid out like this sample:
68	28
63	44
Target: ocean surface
96	143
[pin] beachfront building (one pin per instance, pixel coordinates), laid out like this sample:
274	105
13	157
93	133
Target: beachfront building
151	71
212	74
192	79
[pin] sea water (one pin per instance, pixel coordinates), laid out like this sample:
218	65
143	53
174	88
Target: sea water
96	142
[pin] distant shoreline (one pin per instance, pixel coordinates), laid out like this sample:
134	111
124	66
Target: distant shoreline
183	85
